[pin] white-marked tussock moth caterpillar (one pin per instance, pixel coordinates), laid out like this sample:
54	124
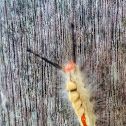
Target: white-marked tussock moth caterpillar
79	95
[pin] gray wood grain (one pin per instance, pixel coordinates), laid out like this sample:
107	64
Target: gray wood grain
32	92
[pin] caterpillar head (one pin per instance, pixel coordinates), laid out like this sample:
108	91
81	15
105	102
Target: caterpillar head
70	67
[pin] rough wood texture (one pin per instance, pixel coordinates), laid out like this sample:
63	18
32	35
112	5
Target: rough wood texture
31	91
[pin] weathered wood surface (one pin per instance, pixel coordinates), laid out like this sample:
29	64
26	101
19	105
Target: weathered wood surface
31	91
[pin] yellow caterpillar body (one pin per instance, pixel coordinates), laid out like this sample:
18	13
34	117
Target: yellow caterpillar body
79	95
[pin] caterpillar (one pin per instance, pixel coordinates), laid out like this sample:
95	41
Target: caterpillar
79	95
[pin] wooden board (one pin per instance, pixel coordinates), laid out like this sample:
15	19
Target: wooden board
32	92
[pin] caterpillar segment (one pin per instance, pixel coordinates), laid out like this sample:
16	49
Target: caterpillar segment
79	95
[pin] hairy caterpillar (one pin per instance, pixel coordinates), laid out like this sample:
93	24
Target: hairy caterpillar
79	95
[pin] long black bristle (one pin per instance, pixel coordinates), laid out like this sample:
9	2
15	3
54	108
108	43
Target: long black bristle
46	60
74	43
